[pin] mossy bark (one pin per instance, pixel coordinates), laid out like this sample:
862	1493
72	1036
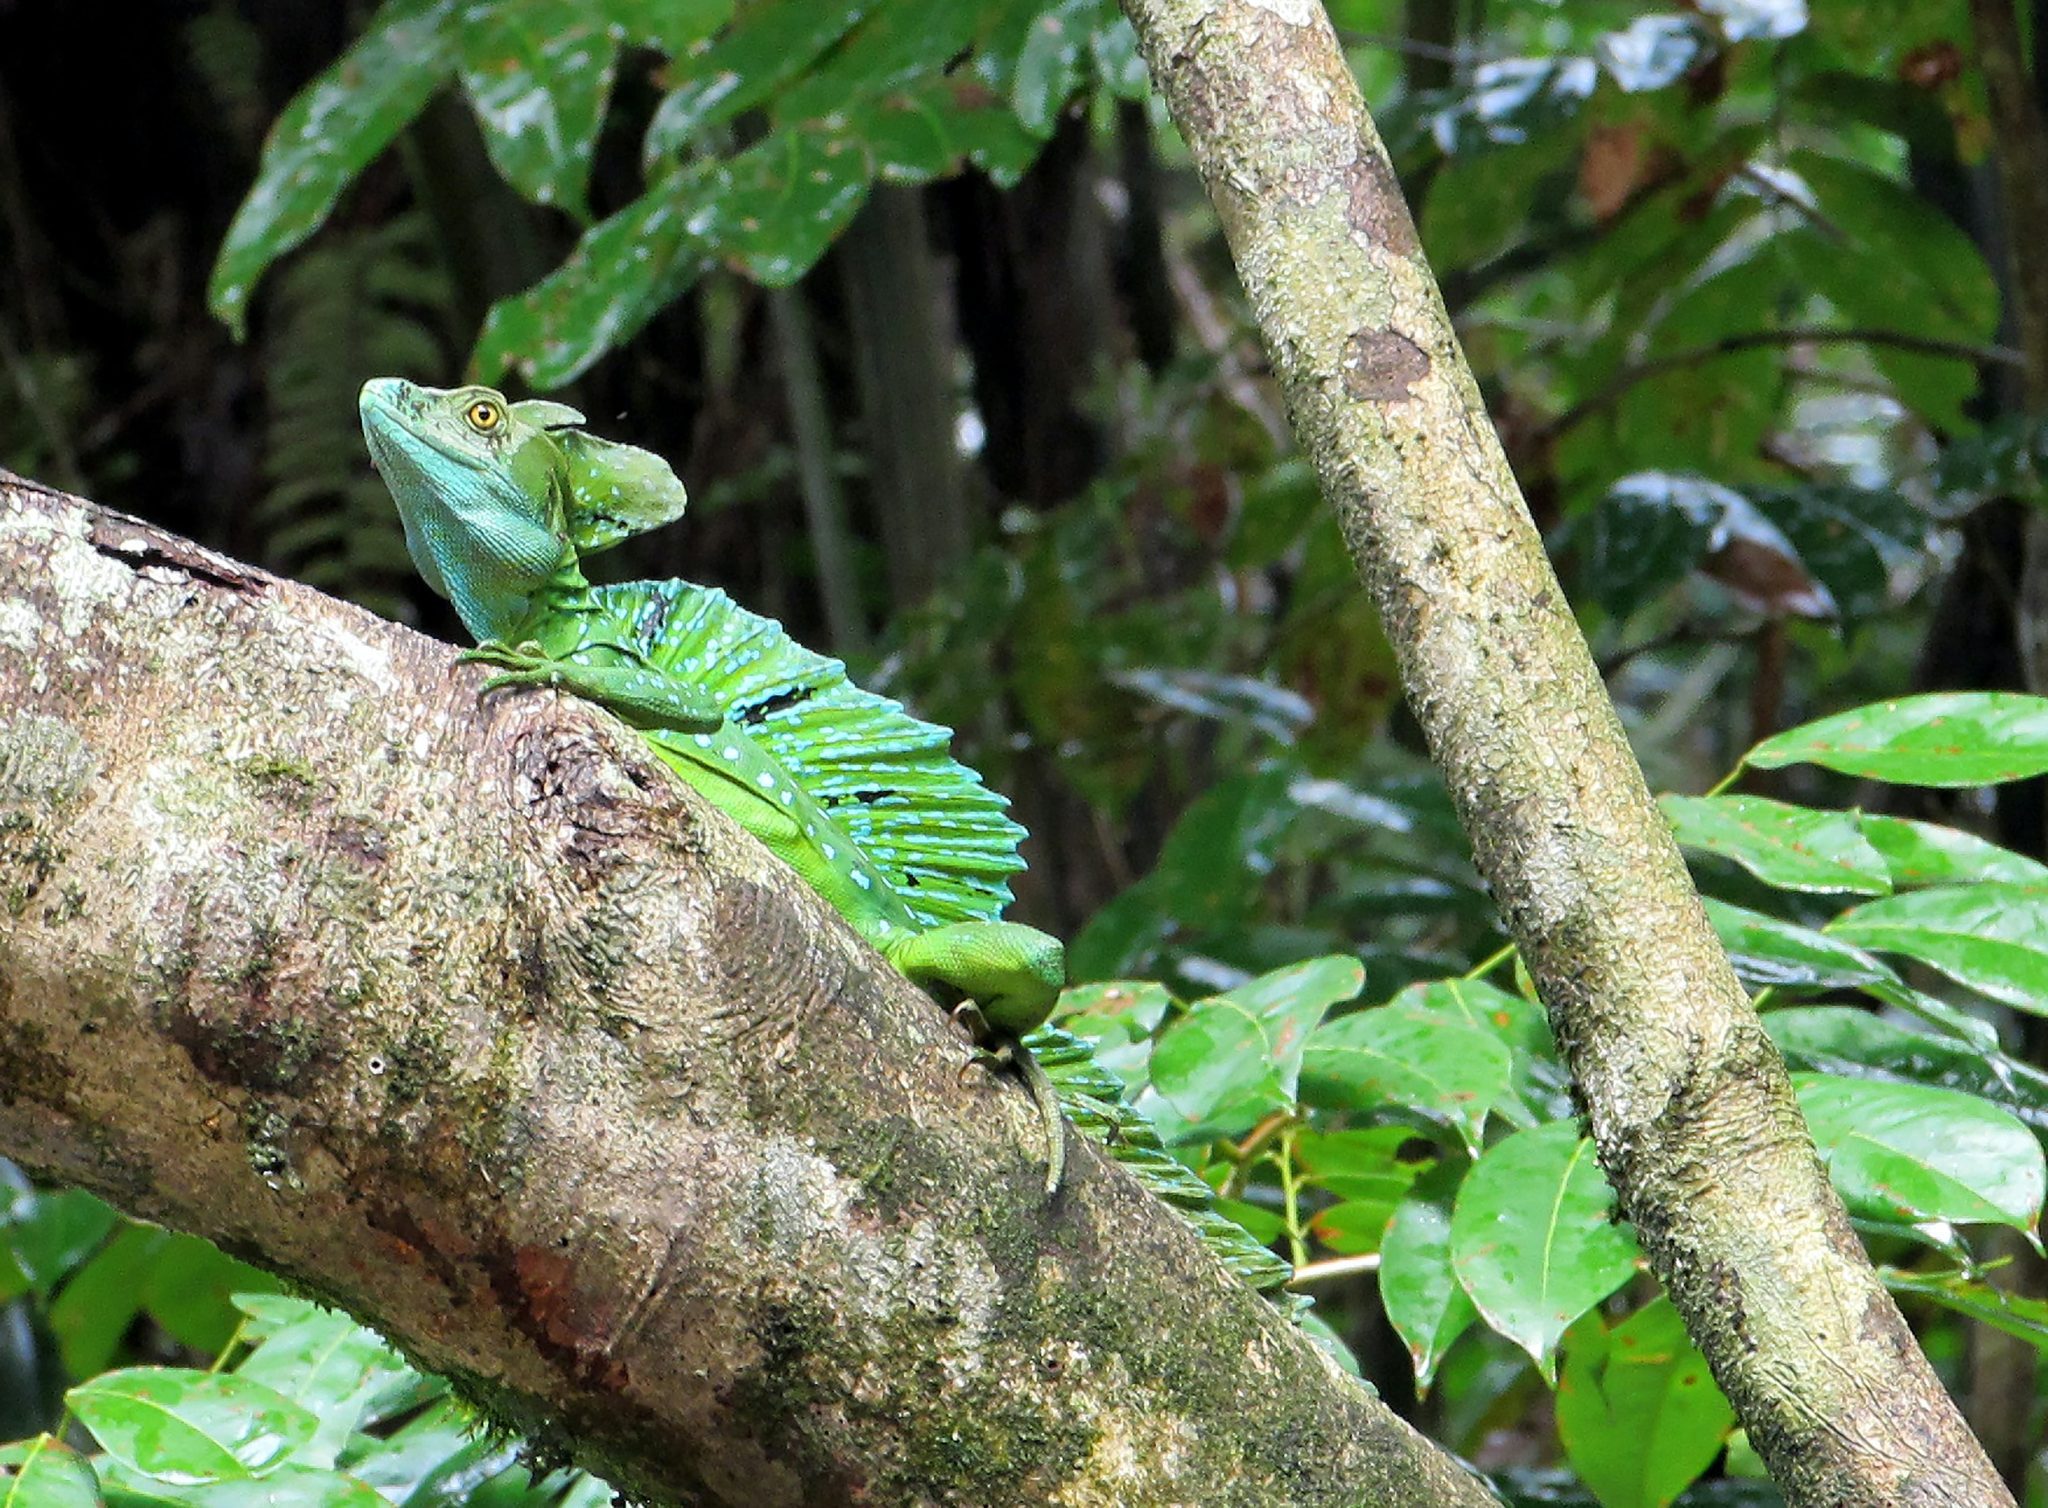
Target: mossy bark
1689	1102
471	1019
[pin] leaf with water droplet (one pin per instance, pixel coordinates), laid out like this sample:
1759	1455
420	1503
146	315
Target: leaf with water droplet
325	137
538	74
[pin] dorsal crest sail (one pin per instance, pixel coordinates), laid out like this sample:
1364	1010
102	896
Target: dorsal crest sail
940	837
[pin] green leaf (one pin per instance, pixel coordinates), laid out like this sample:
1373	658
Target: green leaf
1049	64
46	1473
1993	938
1791	847
538	74
441	1449
1424	1302
1538	1088
290	1486
52	1233
1926	853
1532	1239
1901	246
189	1427
775	208
1907	1154
761	52
1118	1018
1419	1060
1366	1172
1236	1057
271	1312
1853	1043
1637	1410
894	45
188	1292
102	1299
1945	738
676	27
330	1366
326	136
1230	830
1878	250
2015	1314
1353	1227
1645	535
618	277
1854	540
1769	952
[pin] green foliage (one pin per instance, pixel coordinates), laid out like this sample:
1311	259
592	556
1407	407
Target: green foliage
1639	1415
361	302
316	1412
1531	1240
834	100
1428	1125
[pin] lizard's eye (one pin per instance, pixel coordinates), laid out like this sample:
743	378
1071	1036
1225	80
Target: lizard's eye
484	416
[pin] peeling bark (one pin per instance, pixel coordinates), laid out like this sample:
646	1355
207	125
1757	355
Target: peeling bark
471	1019
1689	1103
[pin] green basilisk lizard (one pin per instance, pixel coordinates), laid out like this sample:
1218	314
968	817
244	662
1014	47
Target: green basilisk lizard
502	501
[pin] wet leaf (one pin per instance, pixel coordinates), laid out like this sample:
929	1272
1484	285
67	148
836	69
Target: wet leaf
326	136
1947	738
1532	1238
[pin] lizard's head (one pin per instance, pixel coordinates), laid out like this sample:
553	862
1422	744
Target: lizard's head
500	498
480	484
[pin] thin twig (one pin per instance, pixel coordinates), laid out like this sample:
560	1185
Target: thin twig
1331	1268
1629	377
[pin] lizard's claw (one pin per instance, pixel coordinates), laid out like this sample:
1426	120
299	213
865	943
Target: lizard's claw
997	1052
523	666
498	652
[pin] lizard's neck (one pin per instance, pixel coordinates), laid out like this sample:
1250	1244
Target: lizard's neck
560	612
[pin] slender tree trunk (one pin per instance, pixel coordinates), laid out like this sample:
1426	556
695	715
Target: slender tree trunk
1689	1103
1142	274
1037	310
897	308
473	1020
2004	1369
810	426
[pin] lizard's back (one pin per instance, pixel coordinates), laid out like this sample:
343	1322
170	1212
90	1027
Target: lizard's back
922	822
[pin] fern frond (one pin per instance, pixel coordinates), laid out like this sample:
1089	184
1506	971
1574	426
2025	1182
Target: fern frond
362	303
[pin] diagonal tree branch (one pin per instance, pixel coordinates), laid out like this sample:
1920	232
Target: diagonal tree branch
478	1024
1688	1100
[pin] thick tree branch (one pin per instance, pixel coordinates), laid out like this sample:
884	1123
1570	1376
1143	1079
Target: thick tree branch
479	1024
1689	1102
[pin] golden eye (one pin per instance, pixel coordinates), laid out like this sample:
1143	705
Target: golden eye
484	416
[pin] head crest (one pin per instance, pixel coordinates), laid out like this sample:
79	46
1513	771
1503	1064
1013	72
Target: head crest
615	490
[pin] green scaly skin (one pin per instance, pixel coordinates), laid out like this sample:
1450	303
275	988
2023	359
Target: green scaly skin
500	501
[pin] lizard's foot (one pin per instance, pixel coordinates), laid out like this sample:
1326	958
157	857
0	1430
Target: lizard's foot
523	666
643	696
498	652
